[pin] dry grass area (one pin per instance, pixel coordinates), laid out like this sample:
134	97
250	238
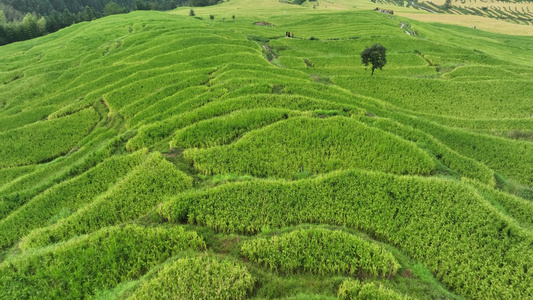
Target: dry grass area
275	8
493	21
489	3
481	23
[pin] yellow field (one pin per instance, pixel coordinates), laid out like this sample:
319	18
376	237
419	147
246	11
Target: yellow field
507	7
481	23
488	3
273	8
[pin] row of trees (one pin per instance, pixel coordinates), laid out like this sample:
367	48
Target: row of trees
16	9
28	28
33	26
26	19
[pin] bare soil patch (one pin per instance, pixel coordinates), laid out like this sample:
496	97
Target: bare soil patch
263	23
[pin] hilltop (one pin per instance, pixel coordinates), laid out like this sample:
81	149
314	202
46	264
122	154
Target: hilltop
157	155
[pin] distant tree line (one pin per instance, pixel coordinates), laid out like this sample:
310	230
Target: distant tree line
26	19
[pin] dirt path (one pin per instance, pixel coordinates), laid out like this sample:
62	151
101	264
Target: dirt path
407	29
269	51
426	9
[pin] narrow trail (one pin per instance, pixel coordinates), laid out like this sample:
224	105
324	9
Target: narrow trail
269	51
426	9
407	29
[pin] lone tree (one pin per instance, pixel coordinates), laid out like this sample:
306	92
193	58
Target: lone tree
374	55
112	8
191	13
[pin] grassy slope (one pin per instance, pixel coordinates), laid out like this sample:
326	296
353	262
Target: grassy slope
452	98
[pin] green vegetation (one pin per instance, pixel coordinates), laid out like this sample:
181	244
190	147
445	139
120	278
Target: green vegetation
423	217
80	267
130	198
39	142
508	157
34	18
223	130
66	197
162	155
323	252
375	55
314	144
198	278
463	165
353	289
426	95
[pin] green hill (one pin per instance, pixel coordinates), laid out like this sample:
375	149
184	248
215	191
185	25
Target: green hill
157	154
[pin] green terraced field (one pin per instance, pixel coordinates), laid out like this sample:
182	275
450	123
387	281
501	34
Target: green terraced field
155	155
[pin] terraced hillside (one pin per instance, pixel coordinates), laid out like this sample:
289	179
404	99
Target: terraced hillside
507	17
155	154
519	12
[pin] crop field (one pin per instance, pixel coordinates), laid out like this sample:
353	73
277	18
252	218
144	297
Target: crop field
158	155
506	17
516	12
